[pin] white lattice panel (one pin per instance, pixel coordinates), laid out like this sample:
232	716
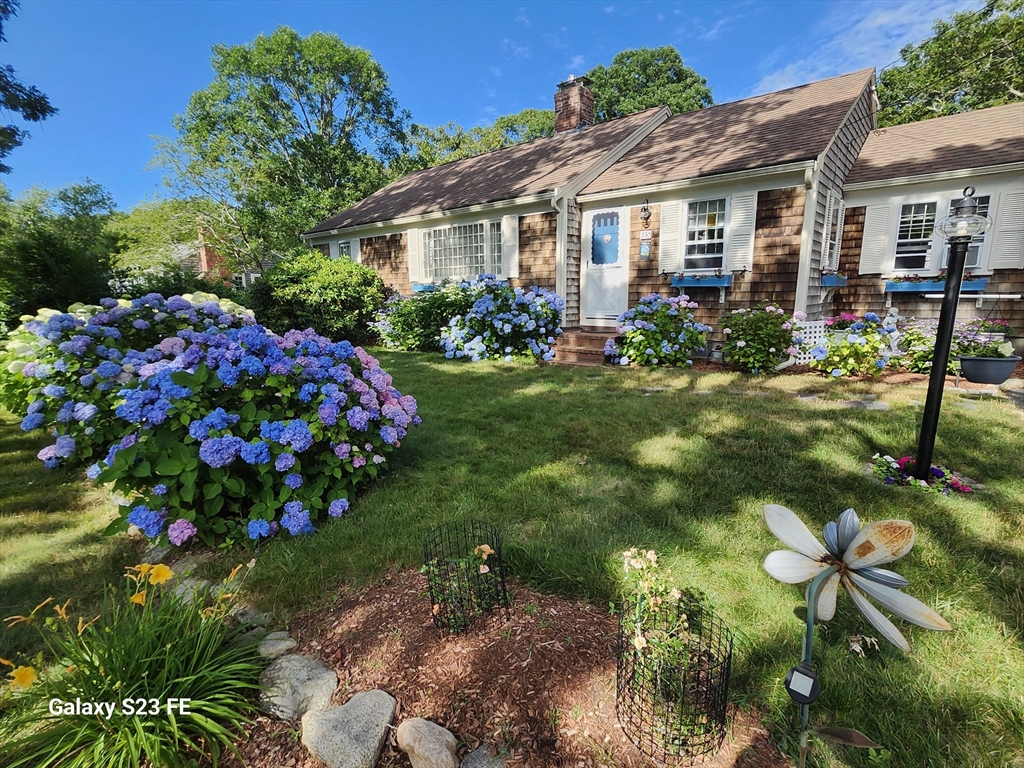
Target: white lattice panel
812	331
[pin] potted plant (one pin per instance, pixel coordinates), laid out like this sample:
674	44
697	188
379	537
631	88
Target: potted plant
832	278
987	361
716	279
932	284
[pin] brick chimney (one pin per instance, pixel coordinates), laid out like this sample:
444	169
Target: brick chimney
574	104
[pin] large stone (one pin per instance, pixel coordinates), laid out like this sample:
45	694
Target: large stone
276	644
294	685
482	758
352	735
428	744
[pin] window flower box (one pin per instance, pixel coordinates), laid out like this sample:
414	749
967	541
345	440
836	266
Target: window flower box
697	281
833	281
423	287
933	286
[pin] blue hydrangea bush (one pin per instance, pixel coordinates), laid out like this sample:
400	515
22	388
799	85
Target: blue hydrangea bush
659	330
861	349
234	433
504	322
62	370
757	339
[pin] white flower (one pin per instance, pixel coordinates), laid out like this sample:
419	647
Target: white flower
856	554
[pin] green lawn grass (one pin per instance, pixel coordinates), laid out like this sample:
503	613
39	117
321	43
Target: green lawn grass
579	464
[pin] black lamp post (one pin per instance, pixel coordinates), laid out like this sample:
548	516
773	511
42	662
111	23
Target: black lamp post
963	224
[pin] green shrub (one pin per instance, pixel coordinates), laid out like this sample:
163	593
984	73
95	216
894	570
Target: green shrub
756	340
335	297
658	331
861	349
414	323
147	644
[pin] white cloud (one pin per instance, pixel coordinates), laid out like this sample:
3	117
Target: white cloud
609	9
858	35
555	41
522	18
518	50
495	71
576	62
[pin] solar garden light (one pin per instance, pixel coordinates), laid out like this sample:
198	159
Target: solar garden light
959	228
850	556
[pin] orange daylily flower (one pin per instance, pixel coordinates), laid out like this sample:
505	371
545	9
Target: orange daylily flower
23	677
234	572
82	627
160	574
139	598
62	610
5	662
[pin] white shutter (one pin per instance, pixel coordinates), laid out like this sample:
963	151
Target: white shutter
740	247
876	252
510	245
1008	234
826	230
413	247
355	250
838	236
669	238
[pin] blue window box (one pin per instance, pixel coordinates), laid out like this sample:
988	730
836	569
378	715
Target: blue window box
423	287
697	282
833	281
934	286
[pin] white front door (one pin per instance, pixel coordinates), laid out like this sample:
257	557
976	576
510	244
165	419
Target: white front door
604	278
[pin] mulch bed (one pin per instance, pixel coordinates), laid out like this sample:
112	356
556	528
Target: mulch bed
539	687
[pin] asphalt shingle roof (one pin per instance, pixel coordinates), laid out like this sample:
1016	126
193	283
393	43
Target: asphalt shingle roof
977	139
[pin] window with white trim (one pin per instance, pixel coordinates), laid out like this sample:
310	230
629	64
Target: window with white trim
345	249
705	235
463	250
914	236
974	249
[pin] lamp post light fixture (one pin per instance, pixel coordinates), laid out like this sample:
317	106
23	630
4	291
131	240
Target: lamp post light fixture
959	228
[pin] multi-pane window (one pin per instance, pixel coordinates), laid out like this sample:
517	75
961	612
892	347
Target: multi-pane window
461	251
345	249
705	235
914	238
974	249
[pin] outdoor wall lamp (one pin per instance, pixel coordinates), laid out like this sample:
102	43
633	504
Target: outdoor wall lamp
645	213
963	224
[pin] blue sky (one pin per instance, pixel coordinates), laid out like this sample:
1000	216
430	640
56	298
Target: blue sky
119	71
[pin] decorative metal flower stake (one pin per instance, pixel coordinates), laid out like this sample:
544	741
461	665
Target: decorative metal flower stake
850	556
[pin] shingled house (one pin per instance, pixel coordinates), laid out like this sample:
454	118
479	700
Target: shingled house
753	188
905	178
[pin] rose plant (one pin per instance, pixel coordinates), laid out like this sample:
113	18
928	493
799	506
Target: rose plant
757	339
658	330
240	432
504	322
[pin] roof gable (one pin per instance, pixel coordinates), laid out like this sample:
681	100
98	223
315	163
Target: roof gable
759	132
985	137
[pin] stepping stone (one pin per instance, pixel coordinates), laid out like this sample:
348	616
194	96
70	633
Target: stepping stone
294	685
427	744
481	758
352	735
854	404
653	389
276	644
696	392
967	406
916	403
246	614
807	398
876	405
868	398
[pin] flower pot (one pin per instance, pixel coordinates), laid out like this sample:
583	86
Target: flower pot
833	281
701	282
988	370
423	287
933	286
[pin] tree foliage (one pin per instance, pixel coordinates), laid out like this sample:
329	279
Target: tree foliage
448	142
55	248
291	130
641	78
972	61
16	97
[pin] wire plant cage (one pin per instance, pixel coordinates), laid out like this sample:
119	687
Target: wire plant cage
465	574
672	693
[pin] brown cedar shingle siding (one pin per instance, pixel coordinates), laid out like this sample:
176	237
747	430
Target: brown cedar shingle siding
977	139
773	129
836	166
537	167
537	250
389	256
643	275
573	249
866	293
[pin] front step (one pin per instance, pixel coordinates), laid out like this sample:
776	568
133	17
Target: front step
582	346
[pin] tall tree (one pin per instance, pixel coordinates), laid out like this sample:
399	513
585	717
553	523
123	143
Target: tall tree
55	248
647	77
448	142
972	61
291	130
16	97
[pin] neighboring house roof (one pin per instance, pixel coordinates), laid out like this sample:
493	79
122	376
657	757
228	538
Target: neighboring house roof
536	167
776	128
979	139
